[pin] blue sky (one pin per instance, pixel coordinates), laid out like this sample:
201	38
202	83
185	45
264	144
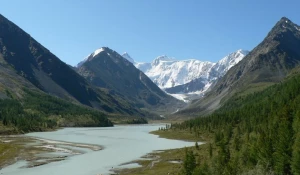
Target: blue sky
203	29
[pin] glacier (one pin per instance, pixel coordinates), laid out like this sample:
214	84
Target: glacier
170	74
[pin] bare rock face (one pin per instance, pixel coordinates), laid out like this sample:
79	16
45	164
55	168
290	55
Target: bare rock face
25	63
268	63
106	68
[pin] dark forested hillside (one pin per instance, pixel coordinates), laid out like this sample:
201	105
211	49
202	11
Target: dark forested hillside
257	131
25	63
39	112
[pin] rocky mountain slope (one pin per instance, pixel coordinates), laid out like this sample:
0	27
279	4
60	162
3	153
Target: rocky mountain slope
25	63
107	69
266	64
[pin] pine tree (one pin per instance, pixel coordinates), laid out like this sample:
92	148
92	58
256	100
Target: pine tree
295	164
210	150
189	163
197	146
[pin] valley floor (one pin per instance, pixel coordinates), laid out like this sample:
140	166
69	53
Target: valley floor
25	151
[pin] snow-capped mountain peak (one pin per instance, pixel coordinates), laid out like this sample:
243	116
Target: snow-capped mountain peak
188	76
183	76
168	72
95	53
160	59
128	57
228	61
164	58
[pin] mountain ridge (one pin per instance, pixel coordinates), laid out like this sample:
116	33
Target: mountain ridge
36	67
268	63
108	69
188	79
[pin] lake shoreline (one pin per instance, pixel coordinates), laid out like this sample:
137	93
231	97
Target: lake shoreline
110	139
30	148
164	161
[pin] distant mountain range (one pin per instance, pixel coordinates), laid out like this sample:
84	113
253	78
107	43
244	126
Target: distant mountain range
187	79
